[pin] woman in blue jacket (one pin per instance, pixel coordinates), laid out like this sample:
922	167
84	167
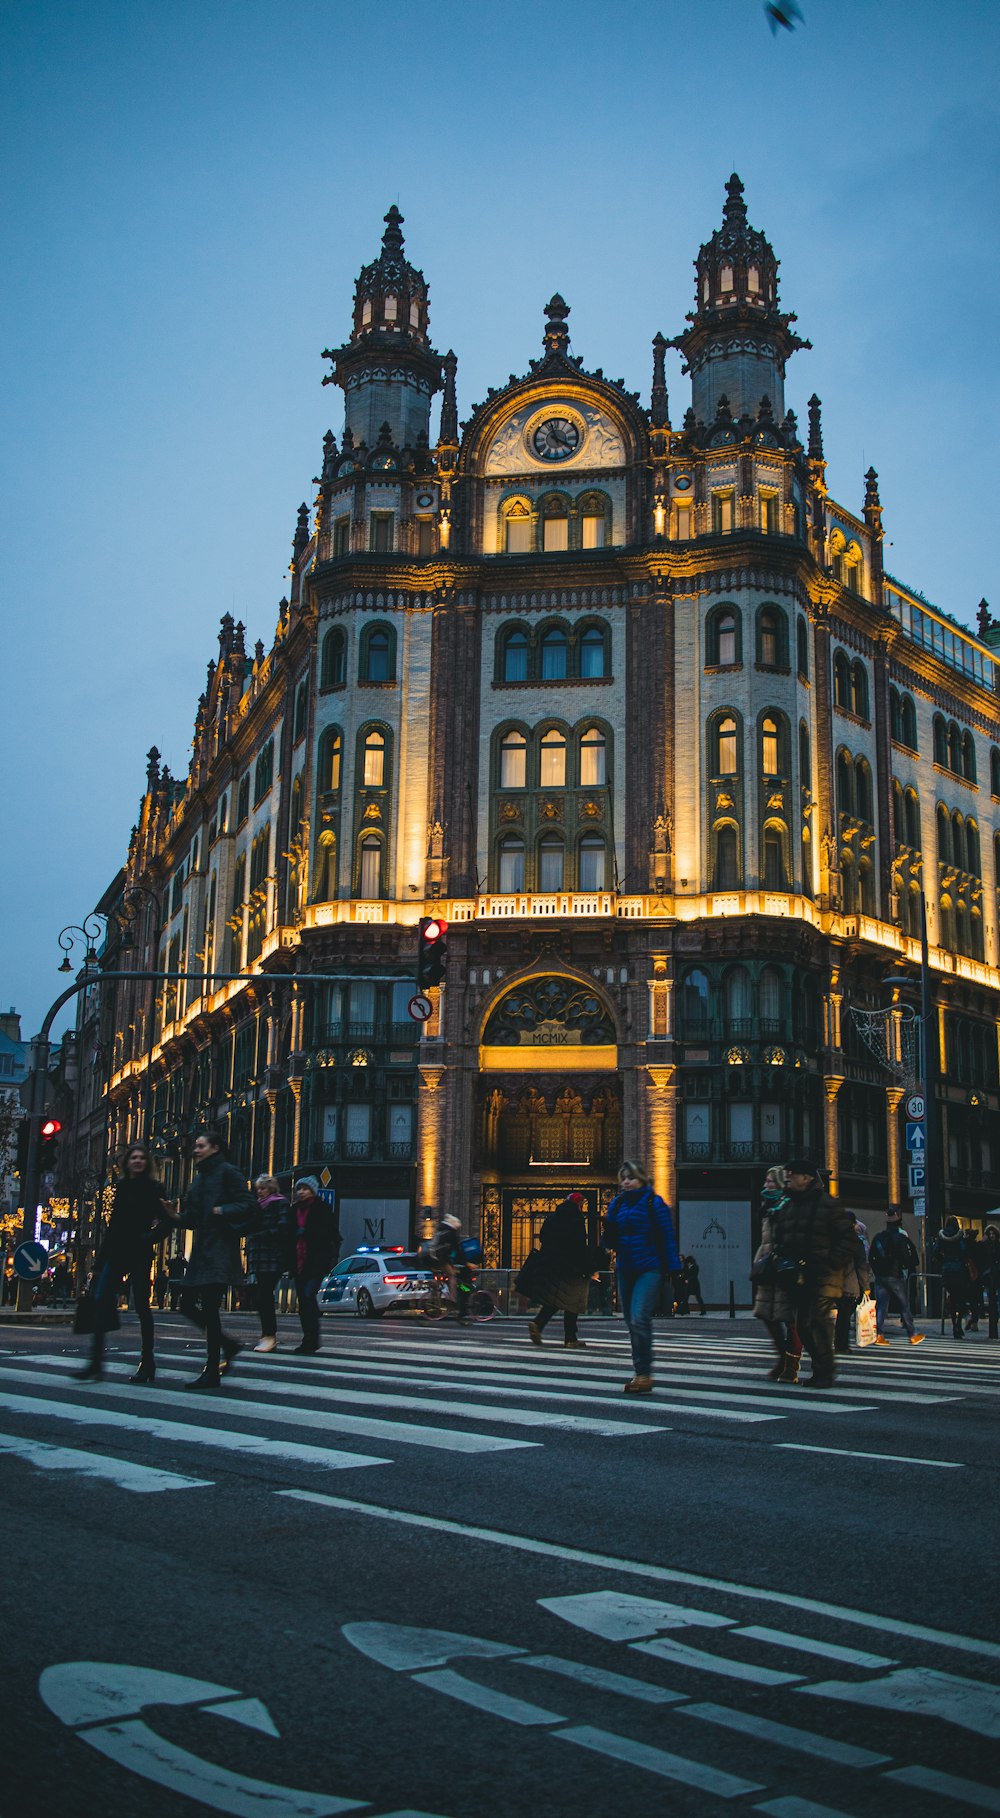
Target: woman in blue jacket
640	1230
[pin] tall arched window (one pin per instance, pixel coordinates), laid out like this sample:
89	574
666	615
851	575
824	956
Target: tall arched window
514	657
845	784
726	749
511	869
593	758
555	524
378	654
373	773
841	681
737	1001
943	835
550	863
333	663
555	655
513	761
593	652
516	528
769	993
591	862
940	741
552	760
805	764
726	870
802	647
331	747
863	790
958	853
995	772
859	690
954	749
770	747
968	757
694	1004
974	864
775	866
370	878
722	640
908	727
772	638
911	818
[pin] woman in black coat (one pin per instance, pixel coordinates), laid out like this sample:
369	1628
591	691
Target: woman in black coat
268	1256
567	1263
138	1215
218	1208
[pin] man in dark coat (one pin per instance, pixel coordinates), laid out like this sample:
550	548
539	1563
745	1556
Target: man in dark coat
218	1208
814	1239
315	1234
891	1259
567	1263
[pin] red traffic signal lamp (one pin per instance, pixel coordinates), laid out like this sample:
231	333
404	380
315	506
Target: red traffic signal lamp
50	1128
432	951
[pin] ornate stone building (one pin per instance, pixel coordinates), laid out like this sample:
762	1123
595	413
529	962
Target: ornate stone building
636	707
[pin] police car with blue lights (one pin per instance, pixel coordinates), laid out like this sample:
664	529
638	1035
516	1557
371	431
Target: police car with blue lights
374	1280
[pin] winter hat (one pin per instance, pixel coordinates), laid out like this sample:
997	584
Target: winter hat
450	1219
576	1199
310	1181
802	1166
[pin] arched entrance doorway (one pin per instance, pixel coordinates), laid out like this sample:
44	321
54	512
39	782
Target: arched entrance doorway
549	1109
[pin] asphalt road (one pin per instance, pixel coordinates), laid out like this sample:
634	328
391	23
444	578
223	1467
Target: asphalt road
439	1572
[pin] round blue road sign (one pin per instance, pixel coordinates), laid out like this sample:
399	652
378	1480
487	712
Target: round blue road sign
30	1261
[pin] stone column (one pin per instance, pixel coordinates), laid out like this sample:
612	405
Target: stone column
660	1148
430	1105
893	1096
831	1144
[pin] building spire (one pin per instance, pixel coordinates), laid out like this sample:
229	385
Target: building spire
659	401
387	367
449	402
556	336
815	429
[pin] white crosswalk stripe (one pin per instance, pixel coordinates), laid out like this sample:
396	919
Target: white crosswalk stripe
405	1387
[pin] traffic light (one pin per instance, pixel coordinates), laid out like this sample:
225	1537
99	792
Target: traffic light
432	951
48	1153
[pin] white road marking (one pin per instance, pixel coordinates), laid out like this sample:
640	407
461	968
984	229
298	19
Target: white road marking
698	1660
235	1407
484	1698
658	1761
801	1644
936	1464
406	1649
804	1742
605	1562
179	1432
620	1616
972	1704
948	1786
799	1808
642	1690
142	1479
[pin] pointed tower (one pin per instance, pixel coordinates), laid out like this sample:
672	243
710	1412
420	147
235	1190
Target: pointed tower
738	341
388	370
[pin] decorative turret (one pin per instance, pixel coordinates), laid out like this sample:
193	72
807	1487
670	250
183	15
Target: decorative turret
815	429
873	519
738	341
659	414
388	369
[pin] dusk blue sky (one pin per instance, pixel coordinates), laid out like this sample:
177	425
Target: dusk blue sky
190	189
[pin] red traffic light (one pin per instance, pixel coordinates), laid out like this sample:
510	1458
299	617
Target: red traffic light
435	930
51	1127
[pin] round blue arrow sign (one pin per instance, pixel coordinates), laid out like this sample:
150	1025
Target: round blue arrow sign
30	1261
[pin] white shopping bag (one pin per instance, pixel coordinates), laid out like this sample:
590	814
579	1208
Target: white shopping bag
864	1322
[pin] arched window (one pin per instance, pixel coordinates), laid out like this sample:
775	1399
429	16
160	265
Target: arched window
555	652
911	816
594	652
946	919
854	569
725	277
775	866
301	711
954	748
694	1005
909	722
373	771
866	880
263	775
995	771
802	647
973	867
333	665
514	655
516	528
940	741
550	863
770	746
863	790
805	765
725	753
511	870
943	835
331	747
378	654
895	716
737	1001
552	760
513	761
958	842
845	784
772	638
370	878
593	758
723	640
591	862
555	524
841	681
595	520
769	995
726	870
968	757
859	690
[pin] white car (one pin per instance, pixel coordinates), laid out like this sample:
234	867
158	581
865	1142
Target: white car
373	1281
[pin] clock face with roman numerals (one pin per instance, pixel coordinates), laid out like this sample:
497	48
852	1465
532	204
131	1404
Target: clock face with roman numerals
556	439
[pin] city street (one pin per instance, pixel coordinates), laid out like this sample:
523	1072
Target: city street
403	1575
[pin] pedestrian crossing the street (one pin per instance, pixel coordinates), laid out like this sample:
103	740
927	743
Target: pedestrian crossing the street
376	1398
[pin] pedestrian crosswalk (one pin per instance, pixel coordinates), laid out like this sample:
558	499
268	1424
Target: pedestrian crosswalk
378	1397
